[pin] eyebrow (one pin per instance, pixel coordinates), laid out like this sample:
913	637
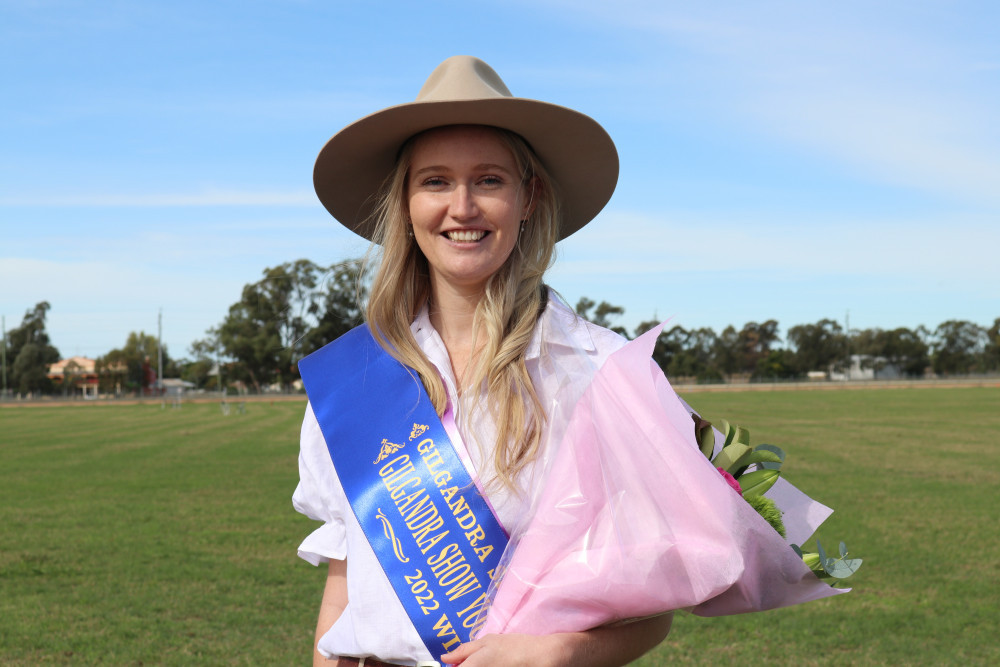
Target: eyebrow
486	166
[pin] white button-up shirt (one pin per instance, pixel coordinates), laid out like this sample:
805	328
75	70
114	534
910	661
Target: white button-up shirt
375	622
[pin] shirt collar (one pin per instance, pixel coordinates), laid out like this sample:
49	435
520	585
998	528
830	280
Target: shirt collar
558	325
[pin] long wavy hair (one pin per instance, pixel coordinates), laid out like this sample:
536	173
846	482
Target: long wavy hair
504	320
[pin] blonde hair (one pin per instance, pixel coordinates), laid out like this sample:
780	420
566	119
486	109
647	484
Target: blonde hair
504	320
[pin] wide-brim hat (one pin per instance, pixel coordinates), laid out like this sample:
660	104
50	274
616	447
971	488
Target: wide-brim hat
575	149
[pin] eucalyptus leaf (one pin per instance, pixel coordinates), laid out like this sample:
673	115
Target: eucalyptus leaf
842	568
843	550
777	451
822	554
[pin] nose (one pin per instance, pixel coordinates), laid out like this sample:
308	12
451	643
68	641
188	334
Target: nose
462	205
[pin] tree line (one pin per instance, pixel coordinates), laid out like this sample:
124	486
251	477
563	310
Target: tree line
299	306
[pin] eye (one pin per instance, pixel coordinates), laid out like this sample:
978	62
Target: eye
433	182
491	181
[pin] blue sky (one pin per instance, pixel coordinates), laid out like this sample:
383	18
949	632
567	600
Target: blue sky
785	160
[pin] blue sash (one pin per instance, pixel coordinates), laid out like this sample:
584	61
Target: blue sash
433	533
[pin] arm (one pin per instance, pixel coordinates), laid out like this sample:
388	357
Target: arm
334	601
607	646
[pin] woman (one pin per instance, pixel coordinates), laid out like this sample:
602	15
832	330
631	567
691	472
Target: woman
474	189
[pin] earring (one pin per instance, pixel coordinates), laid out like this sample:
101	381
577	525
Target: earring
522	225
409	231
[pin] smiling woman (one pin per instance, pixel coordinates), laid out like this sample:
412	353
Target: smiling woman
467	200
426	489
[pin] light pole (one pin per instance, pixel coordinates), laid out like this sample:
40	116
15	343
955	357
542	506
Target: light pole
3	355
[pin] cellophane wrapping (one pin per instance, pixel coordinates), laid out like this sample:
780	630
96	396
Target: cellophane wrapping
628	519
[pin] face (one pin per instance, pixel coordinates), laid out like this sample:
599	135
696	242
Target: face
466	203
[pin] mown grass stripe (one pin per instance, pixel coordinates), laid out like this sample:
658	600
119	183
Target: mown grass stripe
134	534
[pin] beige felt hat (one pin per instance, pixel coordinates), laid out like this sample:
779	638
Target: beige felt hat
463	90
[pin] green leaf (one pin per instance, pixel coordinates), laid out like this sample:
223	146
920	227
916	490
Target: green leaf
761	456
822	553
729	455
759	481
777	451
706	441
841	568
728	431
742	436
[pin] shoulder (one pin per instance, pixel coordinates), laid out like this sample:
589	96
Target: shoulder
560	327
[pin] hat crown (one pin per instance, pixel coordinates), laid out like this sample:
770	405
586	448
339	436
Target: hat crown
462	78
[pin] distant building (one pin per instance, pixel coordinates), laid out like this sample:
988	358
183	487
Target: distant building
75	375
864	367
174	387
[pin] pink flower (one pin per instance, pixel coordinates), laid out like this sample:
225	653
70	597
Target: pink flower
731	481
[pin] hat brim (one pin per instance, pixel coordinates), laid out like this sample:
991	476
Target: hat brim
575	149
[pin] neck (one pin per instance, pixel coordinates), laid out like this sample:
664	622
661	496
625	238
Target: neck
452	312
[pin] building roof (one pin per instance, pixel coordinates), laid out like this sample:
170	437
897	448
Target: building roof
83	365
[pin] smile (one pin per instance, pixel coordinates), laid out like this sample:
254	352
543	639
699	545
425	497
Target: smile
465	235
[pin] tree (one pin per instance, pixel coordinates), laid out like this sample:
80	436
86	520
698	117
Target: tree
818	347
728	353
901	348
295	309
683	353
958	348
343	289
777	365
602	314
755	341
133	367
992	352
29	347
207	353
69	378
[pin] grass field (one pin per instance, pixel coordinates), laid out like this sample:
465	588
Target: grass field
139	535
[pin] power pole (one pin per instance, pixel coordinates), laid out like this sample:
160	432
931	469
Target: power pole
847	339
159	352
3	353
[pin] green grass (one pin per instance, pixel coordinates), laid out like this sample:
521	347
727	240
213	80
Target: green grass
914	475
135	535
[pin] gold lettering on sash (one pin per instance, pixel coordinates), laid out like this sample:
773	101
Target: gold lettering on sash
454	574
445	629
387	449
397	548
463	514
466	585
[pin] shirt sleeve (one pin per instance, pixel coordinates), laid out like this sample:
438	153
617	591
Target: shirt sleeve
320	496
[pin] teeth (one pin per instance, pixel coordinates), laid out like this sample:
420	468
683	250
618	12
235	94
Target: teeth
466	234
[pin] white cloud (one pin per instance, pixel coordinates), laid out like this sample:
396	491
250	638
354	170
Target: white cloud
879	88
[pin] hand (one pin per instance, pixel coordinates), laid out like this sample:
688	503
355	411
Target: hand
510	651
608	646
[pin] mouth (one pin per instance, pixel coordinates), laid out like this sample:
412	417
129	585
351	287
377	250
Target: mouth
466	235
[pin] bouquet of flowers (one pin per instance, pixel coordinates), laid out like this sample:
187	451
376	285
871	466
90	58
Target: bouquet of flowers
629	518
751	472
